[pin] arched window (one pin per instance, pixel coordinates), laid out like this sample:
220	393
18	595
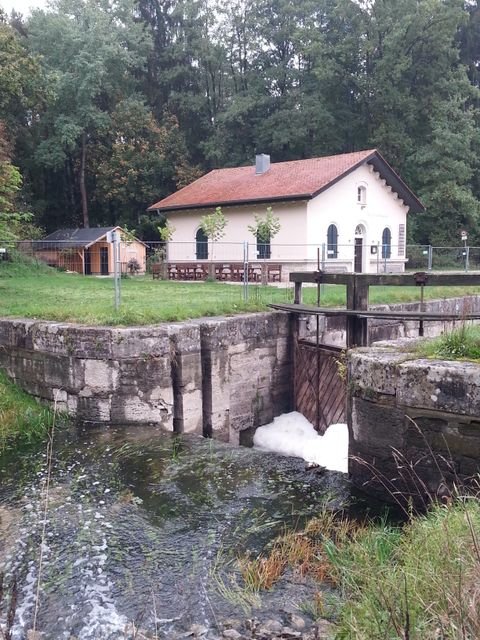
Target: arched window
201	240
362	194
263	248
332	241
386	243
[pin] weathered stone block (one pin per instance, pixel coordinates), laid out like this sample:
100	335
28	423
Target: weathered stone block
192	412
101	375
135	410
378	426
72	340
140	342
376	369
444	386
94	409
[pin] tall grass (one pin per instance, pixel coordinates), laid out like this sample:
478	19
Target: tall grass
460	344
416	581
22	419
421	582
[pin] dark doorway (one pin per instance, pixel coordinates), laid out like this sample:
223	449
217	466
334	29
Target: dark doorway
87	262
104	261
357	267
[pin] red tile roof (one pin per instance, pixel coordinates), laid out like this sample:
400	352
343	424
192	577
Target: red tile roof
298	179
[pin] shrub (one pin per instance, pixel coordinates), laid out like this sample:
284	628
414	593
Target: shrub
133	266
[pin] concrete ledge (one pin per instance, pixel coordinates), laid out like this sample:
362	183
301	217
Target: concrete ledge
414	423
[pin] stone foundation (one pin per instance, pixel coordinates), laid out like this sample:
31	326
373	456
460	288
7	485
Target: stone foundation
414	423
211	376
217	376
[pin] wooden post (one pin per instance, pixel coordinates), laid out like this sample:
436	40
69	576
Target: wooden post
264	273
357	300
298	293
350	306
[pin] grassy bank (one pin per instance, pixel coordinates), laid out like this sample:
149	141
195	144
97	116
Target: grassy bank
420	581
22	418
460	344
32	291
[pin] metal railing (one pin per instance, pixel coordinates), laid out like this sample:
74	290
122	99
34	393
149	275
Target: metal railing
139	258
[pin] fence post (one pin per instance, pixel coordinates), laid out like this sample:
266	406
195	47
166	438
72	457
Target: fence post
245	271
430	257
323	256
467	257
116	267
378	256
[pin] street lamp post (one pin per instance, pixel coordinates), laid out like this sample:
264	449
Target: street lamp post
464	237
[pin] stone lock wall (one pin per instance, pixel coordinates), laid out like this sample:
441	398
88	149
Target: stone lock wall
414	423
213	376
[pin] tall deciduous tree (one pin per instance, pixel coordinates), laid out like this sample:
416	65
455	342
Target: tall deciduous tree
140	161
20	79
91	50
11	219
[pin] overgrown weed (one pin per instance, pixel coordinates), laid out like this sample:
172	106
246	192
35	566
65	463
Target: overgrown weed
23	420
304	552
462	343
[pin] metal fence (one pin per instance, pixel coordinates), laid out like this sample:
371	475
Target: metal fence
240	260
428	258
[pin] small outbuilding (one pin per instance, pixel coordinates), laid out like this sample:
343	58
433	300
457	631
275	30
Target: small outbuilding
351	209
88	252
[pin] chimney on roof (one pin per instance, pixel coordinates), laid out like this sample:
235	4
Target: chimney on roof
262	163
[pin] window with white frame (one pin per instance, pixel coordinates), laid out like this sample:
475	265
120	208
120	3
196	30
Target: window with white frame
201	245
362	194
332	241
263	248
386	243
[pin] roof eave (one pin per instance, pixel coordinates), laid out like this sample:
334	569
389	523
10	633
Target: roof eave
230	203
395	181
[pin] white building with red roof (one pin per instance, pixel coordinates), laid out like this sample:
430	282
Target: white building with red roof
350	209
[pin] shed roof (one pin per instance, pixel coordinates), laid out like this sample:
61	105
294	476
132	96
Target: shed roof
294	180
73	238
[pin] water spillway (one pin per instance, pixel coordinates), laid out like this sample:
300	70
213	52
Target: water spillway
144	527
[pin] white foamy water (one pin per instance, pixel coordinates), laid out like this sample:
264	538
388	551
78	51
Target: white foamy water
291	434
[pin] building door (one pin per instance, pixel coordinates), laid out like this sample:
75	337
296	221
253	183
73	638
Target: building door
104	261
357	267
87	262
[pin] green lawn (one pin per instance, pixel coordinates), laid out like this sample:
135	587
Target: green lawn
31	292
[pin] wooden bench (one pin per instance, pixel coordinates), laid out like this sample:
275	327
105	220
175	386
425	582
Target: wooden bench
187	271
274	272
157	270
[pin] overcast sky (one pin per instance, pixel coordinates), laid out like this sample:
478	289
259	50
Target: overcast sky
22	6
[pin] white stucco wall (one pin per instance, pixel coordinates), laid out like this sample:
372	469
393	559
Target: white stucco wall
288	244
338	205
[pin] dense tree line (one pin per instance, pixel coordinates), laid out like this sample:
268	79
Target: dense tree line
108	105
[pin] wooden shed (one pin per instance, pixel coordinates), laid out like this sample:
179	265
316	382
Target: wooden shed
87	251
